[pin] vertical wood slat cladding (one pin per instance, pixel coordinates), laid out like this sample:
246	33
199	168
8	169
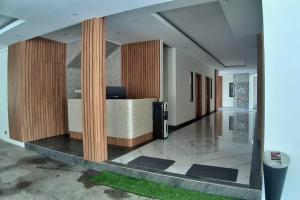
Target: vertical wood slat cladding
16	113
36	89
141	69
94	90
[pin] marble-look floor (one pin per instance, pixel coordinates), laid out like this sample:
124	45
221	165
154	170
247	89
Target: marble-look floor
221	139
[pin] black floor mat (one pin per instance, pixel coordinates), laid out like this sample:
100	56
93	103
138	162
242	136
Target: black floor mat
152	163
220	173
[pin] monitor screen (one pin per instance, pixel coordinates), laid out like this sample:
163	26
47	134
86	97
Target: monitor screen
116	92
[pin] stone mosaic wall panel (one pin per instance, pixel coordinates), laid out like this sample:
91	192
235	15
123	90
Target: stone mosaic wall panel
241	83
113	67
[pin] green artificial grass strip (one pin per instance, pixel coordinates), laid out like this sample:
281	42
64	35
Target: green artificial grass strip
150	189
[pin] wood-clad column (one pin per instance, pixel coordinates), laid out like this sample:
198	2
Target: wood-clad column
94	90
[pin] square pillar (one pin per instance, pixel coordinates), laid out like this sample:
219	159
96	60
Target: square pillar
94	90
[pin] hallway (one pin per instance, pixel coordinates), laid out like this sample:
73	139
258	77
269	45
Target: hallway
222	139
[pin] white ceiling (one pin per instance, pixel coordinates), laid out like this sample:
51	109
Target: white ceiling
4	21
206	24
227	29
245	20
44	16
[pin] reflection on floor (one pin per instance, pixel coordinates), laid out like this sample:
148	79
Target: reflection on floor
74	147
222	139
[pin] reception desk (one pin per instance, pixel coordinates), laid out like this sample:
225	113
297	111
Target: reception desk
128	121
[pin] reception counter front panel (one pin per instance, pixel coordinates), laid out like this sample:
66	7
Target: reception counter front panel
129	121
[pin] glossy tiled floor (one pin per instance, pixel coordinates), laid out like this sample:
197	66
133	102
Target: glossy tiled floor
222	139
65	144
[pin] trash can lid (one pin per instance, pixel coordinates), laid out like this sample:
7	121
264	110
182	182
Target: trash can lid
276	159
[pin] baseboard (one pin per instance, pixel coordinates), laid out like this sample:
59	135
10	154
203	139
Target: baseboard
123	142
184	124
75	135
205	115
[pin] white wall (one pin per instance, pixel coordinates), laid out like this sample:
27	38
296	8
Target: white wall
185	109
4	127
161	70
170	81
165	72
282	93
226	100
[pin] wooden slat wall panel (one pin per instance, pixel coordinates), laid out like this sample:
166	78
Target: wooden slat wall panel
141	69
37	89
94	90
15	93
